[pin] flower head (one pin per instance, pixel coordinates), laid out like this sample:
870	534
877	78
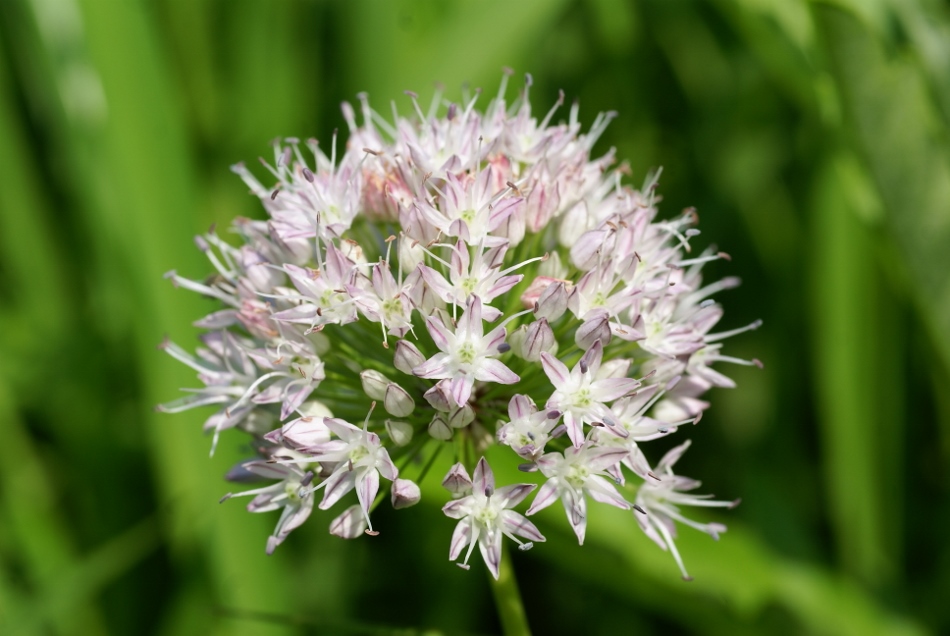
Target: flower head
460	268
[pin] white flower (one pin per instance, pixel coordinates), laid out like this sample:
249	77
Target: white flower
658	502
576	473
579	394
484	517
528	431
288	495
467	355
359	460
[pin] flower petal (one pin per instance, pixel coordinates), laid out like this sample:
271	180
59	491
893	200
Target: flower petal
555	369
491	370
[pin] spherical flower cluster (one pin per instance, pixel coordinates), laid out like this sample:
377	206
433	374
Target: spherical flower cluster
467	276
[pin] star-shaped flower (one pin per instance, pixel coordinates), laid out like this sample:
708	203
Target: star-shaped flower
579	394
484	517
467	354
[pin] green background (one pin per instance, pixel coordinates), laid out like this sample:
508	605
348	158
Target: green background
811	136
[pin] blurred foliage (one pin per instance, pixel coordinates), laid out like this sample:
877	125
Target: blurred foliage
811	136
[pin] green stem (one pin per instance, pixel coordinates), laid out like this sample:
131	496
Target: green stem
511	612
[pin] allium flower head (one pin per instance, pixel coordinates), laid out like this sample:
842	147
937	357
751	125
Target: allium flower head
483	278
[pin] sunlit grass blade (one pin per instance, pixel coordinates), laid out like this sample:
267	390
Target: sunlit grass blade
894	124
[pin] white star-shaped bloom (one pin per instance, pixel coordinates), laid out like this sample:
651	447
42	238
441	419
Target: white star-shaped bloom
484	518
467	354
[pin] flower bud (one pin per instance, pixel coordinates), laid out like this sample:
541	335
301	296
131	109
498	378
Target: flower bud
405	493
350	524
516	340
439	397
315	408
573	225
301	433
410	254
397	401
457	481
594	328
353	251
439	429
400	433
552	302
616	368
538	338
258	271
407	357
460	417
374	384
584	252
553	267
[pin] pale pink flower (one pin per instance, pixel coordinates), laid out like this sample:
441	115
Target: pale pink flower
579	395
484	518
467	354
576	473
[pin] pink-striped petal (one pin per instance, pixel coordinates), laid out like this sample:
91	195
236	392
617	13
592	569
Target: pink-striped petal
555	369
491	370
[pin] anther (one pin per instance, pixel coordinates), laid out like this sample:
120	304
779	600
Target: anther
307	479
372	533
527	545
225	498
639	509
504	347
528	468
584	367
273	195
489	491
308	175
553	415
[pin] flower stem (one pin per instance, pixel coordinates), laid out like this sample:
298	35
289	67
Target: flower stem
511	612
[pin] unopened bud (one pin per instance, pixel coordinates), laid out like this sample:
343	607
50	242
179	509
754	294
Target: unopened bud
616	368
301	433
552	303
553	267
592	330
539	338
439	397
407	357
457	481
405	493
374	384
315	408
397	401
517	340
350	524
400	433
439	429
410	254
460	417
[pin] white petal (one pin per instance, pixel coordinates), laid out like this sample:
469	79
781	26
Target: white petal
491	370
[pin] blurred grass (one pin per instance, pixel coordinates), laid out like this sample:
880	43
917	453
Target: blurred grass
811	136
